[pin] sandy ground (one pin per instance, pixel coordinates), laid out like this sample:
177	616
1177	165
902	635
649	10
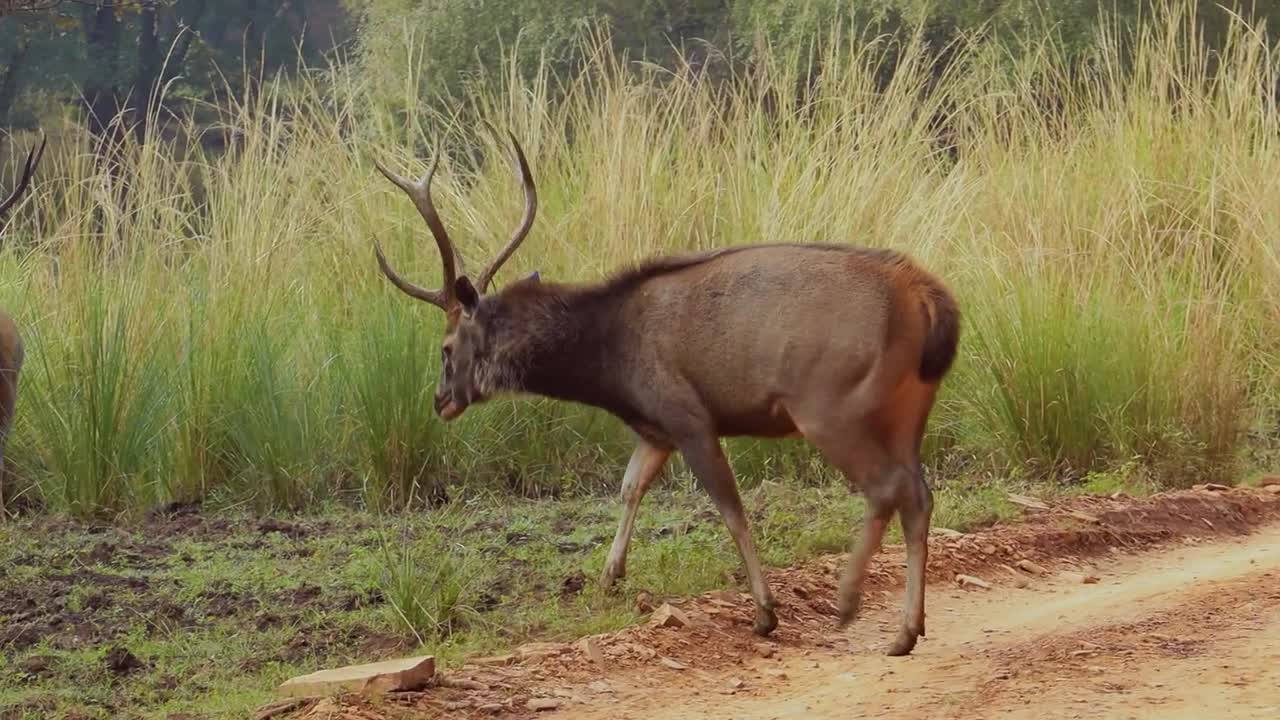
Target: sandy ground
1161	607
1192	632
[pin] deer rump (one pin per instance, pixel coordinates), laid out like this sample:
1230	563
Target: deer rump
844	346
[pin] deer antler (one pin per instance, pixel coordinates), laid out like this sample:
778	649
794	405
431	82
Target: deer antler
526	222
33	159
420	193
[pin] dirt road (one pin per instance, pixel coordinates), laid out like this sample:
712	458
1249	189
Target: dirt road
1179	618
1191	632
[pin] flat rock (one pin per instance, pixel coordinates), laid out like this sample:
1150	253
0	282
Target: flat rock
673	664
1080	578
1270	481
971	581
1273	489
1081	515
591	649
668	616
945	532
397	675
493	660
1027	501
536	652
1031	567
543	704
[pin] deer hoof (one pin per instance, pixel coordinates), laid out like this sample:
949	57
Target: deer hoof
849	608
766	622
903	644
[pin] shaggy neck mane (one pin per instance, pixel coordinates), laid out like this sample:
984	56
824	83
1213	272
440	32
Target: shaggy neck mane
560	340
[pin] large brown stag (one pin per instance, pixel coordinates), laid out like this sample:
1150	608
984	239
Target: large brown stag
11	350
842	345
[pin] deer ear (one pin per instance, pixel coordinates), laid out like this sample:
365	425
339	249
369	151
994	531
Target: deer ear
467	294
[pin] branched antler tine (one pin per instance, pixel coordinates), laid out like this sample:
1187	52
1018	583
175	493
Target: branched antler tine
420	193
33	159
435	297
526	222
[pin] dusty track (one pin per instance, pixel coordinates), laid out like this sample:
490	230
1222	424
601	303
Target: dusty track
1183	622
1190	632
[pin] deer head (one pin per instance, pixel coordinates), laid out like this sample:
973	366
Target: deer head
467	375
33	159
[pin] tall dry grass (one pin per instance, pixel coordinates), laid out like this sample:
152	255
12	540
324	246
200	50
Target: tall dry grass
1113	236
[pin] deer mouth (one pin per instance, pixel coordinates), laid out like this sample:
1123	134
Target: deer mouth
447	408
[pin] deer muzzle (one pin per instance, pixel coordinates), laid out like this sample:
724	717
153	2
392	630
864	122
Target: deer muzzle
445	405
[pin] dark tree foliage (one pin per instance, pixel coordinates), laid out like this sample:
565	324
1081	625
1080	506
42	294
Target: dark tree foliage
117	58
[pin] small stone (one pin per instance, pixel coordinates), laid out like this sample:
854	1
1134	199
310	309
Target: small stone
1031	567
971	581
668	616
1270	481
988	549
600	687
765	651
537	652
1027	501
1273	489
491	708
1020	581
541	704
591	649
673	664
1216	487
36	665
737	683
280	707
1081	515
1080	578
493	660
644	601
945	532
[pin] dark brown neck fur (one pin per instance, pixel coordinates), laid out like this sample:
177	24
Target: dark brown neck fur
561	341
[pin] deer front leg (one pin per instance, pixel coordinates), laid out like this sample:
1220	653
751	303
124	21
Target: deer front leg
706	458
646	462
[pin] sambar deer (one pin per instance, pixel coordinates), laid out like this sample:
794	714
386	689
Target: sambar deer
11	350
843	346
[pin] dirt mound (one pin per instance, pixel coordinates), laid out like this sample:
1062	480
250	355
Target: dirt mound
718	636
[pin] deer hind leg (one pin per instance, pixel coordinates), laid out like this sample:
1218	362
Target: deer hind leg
645	464
915	508
707	461
890	479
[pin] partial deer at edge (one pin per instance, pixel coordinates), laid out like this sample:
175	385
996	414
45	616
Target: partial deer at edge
841	345
11	349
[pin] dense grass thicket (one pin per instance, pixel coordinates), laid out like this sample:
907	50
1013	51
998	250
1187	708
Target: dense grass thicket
215	325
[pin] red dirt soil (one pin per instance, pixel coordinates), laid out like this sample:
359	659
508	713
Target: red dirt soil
715	666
